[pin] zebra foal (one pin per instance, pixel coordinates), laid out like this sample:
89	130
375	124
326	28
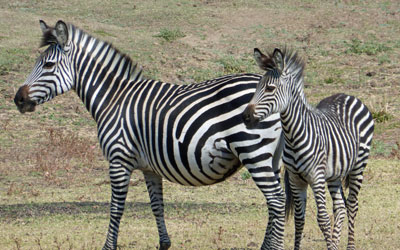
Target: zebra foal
328	144
188	134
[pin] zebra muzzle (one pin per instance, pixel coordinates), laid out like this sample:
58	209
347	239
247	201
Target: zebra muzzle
22	100
248	117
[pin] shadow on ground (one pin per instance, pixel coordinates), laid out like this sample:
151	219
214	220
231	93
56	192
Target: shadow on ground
24	210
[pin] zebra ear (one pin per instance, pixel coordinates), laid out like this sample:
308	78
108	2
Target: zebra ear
263	61
43	26
49	36
61	33
278	59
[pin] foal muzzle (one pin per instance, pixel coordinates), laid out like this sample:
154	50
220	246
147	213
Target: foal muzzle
248	117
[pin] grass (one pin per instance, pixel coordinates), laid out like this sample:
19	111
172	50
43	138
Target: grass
370	48
11	59
211	217
233	65
381	116
59	198
170	35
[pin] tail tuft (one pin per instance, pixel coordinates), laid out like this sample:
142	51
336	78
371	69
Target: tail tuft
289	197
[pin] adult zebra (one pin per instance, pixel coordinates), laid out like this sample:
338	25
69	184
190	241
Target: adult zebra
189	134
327	144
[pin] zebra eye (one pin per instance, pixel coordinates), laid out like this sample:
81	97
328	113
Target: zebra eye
49	65
270	88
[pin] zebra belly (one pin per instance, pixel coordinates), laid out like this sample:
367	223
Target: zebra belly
335	167
218	161
191	163
341	155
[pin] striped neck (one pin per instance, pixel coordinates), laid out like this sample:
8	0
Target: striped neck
295	118
99	68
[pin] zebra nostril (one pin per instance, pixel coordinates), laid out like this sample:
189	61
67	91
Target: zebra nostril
246	118
18	100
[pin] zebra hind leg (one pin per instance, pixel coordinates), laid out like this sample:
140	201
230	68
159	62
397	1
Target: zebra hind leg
355	181
339	210
119	177
155	189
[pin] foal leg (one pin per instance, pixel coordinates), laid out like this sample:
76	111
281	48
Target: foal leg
323	219
339	210
355	181
154	187
298	188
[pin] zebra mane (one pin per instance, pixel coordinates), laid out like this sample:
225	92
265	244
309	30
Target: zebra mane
133	71
293	64
48	38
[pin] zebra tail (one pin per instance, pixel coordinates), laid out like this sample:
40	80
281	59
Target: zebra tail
345	185
289	197
347	182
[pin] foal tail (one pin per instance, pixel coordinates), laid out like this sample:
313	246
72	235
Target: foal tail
289	197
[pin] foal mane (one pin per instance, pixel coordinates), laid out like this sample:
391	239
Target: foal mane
292	63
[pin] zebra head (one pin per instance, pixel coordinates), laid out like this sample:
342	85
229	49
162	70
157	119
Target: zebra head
274	89
52	73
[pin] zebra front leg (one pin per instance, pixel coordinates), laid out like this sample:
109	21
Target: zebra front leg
265	179
323	219
297	188
119	177
155	189
339	210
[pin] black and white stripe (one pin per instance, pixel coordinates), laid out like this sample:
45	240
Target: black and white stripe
188	134
328	144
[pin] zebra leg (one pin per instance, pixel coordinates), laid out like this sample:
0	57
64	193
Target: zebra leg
119	177
298	188
339	210
265	179
323	219
355	181
155	189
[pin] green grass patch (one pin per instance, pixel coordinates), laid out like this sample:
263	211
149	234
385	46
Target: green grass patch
381	116
103	33
356	46
170	35
12	58
381	149
233	65
245	175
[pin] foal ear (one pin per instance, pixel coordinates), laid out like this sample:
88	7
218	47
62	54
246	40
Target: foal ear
278	59
43	26
263	61
61	33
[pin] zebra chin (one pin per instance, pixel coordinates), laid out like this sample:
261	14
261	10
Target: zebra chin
22	100
27	107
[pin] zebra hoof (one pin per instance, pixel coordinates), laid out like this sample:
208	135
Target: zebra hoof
165	245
